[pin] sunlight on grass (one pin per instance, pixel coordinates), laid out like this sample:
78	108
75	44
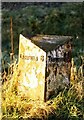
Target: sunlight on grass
67	104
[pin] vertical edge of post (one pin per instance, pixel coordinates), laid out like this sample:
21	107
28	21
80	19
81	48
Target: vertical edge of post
45	87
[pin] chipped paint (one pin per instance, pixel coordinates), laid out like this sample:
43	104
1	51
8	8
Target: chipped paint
32	63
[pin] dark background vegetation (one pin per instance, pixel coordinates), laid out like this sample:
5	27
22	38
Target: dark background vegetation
42	18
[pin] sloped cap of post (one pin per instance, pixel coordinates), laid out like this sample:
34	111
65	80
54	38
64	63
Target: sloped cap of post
50	42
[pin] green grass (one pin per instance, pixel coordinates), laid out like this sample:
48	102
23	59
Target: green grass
40	19
67	105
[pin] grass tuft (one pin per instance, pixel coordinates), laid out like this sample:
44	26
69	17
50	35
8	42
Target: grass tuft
68	104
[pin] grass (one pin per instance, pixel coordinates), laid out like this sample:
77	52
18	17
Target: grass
33	20
67	105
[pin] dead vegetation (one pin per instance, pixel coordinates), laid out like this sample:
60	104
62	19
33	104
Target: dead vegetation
19	107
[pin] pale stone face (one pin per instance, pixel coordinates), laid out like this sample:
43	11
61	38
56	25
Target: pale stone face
32	63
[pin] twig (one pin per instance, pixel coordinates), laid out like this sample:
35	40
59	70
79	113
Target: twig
11	30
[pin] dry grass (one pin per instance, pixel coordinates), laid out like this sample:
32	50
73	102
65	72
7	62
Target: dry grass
16	106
